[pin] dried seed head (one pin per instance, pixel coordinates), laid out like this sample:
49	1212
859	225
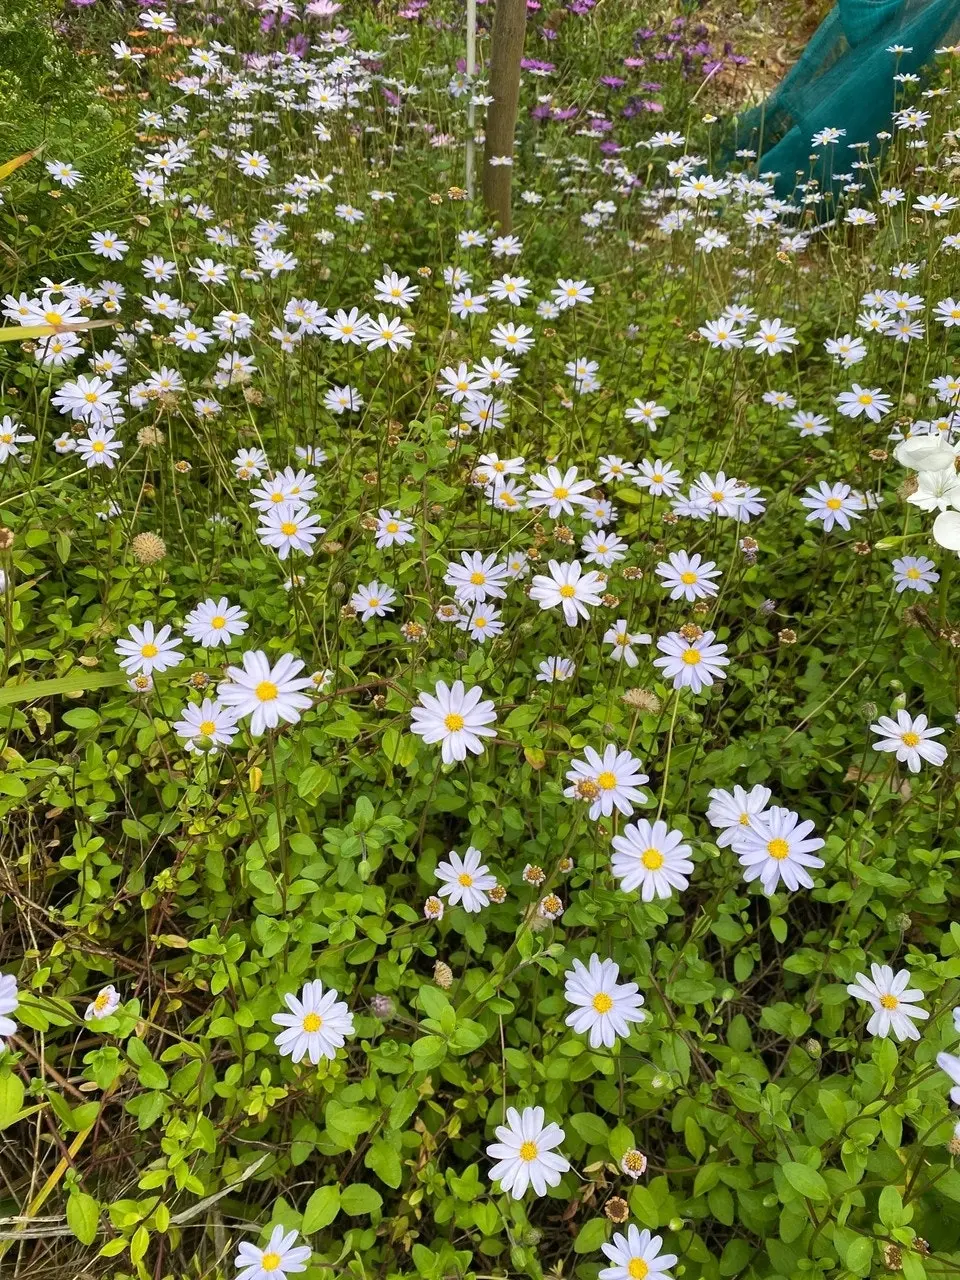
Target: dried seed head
617	1209
642	700
147	548
443	975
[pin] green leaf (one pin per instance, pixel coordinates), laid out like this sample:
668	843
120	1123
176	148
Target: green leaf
79	681
591	1236
11	1099
859	1256
807	1181
83	1216
383	1159
891	1208
322	1207
360	1198
81	718
590	1127
428	1052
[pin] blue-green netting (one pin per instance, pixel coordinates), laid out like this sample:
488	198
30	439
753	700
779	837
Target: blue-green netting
844	80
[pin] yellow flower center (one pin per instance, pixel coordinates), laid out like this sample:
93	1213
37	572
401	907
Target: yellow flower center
393	527
657	478
652	859
149	651
289	528
373	602
606	780
477	579
912	574
561	493
91	397
778	849
637	1269
465	879
101	1002
567	592
834	504
528	1151
53	317
717	495
453	722
207	727
910	739
690	657
688	579
602	1003
312	1022
889	1002
866	398
218	622
622	638
266	691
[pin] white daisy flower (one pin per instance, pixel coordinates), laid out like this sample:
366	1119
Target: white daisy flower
603	1007
456	718
525	1153
894	1006
652	858
316	1026
636	1256
466	880
910	738
148	650
268	694
611	781
777	847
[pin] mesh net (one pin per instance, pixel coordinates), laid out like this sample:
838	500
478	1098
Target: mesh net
844	80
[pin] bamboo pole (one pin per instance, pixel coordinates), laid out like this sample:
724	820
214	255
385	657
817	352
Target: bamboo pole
471	74
506	51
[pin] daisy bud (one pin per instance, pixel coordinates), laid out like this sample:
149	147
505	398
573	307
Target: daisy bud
533	874
632	573
565	865
550	907
182	467
690	631
199	680
787	636
382	1007
6	538
634	1163
498	894
813	1048
433	908
150	437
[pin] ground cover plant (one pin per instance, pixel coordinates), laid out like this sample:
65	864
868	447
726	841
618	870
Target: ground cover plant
478	778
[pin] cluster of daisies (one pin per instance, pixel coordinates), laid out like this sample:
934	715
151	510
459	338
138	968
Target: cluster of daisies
192	309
